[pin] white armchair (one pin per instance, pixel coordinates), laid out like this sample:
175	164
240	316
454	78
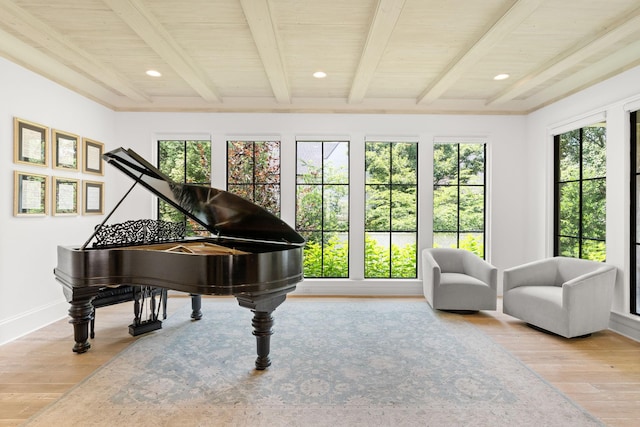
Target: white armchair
570	297
458	280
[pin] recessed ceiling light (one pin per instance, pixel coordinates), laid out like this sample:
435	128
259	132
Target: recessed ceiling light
153	73
319	74
501	77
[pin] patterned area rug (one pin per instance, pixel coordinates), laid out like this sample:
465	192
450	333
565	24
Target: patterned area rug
383	362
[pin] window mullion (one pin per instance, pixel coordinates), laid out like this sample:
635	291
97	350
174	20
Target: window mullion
580	195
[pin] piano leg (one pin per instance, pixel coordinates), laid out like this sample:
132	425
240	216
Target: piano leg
262	323
81	313
196	306
262	306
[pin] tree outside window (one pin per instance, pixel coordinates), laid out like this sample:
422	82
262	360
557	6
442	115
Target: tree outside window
459	196
580	193
253	172
322	206
186	162
391	212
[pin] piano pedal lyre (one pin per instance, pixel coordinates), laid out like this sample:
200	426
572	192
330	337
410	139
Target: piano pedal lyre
157	298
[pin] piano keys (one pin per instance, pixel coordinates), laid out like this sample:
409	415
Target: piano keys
250	254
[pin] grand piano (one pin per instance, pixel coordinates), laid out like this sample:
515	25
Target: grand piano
250	254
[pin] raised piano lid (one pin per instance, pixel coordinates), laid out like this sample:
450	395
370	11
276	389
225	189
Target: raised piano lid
222	213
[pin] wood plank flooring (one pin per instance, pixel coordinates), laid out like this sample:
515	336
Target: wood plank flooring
601	373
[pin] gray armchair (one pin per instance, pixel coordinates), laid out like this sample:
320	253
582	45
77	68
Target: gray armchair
458	280
570	297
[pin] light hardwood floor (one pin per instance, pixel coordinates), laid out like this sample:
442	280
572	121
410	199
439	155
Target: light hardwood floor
601	373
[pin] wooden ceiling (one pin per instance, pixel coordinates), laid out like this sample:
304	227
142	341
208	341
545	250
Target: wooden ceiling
380	56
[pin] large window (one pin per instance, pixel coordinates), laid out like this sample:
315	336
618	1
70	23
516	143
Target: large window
580	193
322	206
184	162
635	212
459	196
253	172
391	226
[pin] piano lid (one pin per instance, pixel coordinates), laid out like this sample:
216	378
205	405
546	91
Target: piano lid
222	213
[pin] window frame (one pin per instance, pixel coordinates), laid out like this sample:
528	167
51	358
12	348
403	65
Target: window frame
557	196
322	231
196	228
634	300
391	231
458	232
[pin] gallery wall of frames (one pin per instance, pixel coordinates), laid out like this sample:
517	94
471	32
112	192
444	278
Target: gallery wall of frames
57	172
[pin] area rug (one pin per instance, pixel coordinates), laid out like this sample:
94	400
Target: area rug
382	362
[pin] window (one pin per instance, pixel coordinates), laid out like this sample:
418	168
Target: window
459	196
322	206
635	217
184	162
580	193
253	172
391	211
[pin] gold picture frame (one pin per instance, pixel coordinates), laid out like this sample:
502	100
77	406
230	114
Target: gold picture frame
66	196
66	150
30	143
92	156
30	194
92	197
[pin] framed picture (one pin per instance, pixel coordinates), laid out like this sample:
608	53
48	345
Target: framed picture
93	198
66	194
92	154
30	143
65	150
30	194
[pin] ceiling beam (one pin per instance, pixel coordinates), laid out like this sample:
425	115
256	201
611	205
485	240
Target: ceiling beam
502	27
615	63
59	46
628	25
384	21
263	30
142	21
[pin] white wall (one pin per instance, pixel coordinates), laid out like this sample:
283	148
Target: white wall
29	295
612	99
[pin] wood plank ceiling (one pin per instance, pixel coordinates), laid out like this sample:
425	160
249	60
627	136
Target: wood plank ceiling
380	56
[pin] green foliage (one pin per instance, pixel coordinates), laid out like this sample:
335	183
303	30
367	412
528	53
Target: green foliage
312	263
377	259
470	242
331	259
391	186
473	243
328	260
403	263
380	263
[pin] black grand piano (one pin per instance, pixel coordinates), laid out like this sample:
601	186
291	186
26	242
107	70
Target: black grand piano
250	254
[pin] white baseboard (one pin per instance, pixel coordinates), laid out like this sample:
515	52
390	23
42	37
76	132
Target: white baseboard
18	326
625	324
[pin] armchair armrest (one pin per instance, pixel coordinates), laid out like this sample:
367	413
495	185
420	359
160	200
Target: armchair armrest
540	272
590	290
430	274
430	268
